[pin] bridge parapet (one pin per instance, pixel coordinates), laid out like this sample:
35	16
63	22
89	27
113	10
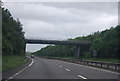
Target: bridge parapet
64	42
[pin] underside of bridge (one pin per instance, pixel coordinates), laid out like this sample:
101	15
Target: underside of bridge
77	43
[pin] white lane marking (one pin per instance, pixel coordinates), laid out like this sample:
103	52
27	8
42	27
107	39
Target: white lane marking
82	77
56	64
67	69
9	78
60	66
20	71
92	67
30	64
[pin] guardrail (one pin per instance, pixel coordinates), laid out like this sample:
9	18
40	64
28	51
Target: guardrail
104	65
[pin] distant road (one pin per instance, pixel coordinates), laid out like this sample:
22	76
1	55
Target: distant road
54	69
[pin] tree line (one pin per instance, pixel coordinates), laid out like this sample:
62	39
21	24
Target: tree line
13	40
106	43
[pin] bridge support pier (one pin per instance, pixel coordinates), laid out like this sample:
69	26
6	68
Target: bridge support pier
25	49
78	52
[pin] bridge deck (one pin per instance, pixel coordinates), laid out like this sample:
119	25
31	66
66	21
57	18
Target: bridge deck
67	42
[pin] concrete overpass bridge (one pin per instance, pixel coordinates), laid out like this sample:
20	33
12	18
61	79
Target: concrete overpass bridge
77	43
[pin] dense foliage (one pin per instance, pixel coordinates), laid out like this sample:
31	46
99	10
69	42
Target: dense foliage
12	35
105	42
57	51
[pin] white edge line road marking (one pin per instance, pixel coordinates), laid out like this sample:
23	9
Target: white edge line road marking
31	63
81	77
92	67
60	66
67	69
21	70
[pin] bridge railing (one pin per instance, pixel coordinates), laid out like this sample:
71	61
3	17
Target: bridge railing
34	38
104	65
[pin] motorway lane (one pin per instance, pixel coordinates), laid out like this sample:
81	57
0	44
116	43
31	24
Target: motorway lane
45	69
89	72
55	69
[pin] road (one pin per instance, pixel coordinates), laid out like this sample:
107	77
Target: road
55	69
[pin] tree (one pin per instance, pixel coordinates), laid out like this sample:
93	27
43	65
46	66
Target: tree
12	34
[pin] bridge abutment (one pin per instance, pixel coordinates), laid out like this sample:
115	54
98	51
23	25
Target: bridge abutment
25	49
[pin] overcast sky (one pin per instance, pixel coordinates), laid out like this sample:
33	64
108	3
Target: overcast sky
63	20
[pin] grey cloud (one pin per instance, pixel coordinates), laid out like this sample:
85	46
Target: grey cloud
45	13
111	7
63	20
33	47
53	12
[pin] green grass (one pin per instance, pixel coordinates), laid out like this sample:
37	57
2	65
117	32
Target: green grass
103	60
9	62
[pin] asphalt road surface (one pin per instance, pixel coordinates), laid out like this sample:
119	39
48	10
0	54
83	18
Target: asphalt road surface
55	69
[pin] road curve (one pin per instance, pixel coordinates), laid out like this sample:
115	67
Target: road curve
55	69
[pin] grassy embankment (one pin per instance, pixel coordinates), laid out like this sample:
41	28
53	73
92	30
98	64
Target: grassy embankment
10	62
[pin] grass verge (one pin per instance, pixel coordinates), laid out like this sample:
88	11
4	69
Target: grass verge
10	62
